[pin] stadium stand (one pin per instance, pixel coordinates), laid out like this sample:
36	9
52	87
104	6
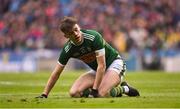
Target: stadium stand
148	29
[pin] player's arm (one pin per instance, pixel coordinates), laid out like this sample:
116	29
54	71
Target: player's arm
52	80
100	57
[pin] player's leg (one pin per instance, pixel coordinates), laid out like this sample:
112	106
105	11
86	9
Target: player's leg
129	90
124	87
111	79
111	86
110	83
84	82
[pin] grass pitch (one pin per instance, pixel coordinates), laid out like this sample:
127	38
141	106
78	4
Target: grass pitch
157	89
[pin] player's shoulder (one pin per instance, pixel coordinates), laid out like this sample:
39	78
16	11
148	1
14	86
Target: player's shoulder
90	34
88	31
67	46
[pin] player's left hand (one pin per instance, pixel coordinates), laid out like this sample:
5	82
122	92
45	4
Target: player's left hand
42	96
93	93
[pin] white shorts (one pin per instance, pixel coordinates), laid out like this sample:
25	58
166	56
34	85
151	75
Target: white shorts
117	65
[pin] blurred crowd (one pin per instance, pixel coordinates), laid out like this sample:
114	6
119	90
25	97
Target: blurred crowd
125	24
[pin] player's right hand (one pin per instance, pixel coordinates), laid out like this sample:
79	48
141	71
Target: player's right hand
93	93
42	96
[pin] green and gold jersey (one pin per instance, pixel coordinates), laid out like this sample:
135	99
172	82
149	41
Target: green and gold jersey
93	41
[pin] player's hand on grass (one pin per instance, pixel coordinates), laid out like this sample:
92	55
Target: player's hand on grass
42	96
93	93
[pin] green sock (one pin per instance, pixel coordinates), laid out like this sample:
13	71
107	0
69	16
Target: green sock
86	93
114	92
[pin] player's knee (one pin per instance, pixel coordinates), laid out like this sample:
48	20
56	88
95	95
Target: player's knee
103	93
74	93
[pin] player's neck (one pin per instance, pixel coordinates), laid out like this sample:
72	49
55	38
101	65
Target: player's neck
77	44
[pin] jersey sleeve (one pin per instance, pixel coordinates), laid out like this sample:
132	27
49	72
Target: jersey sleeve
63	58
99	42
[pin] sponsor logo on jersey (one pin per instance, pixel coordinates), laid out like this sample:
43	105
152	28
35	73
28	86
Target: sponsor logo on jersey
89	49
87	58
82	50
76	54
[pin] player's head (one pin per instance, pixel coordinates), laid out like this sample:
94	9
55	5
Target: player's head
67	24
71	29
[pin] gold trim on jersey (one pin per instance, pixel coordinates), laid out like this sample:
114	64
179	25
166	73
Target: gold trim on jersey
88	36
67	47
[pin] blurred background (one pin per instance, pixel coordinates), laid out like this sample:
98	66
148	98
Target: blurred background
145	32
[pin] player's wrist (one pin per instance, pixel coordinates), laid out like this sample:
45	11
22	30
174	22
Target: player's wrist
93	89
44	95
94	93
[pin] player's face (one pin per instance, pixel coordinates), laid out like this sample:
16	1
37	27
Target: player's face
75	35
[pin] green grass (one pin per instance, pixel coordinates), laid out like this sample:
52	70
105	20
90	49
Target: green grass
157	89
